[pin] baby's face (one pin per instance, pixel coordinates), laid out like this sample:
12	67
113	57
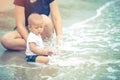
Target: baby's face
37	28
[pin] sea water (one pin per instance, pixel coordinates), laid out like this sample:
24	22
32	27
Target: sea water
91	49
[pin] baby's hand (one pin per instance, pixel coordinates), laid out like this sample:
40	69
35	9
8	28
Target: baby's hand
50	52
45	51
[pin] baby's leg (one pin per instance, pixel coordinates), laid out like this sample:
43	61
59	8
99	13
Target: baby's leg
42	59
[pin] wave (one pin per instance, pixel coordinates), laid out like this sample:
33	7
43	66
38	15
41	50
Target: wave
98	13
57	61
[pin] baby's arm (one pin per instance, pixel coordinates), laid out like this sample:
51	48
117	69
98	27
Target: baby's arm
34	49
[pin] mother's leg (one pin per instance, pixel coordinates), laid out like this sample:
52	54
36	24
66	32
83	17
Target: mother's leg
48	27
13	41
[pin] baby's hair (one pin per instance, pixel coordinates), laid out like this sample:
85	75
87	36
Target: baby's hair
34	17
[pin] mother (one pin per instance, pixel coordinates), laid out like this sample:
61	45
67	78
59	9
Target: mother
16	40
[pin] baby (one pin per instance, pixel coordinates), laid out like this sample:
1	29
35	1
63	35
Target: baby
35	51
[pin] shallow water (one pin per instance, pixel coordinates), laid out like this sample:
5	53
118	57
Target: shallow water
91	49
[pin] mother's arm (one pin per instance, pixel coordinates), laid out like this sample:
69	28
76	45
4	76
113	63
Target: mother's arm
20	21
56	18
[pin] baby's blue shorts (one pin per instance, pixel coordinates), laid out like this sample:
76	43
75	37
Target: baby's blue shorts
32	58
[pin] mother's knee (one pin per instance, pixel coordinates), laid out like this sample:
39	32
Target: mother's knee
47	20
48	27
5	41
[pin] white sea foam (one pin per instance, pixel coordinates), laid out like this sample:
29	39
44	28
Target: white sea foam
110	69
77	61
22	66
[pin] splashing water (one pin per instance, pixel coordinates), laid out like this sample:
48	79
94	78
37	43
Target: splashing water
90	52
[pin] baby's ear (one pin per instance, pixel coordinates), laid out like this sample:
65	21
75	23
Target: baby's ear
29	27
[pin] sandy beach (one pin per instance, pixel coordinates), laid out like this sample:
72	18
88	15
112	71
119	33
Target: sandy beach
6	5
